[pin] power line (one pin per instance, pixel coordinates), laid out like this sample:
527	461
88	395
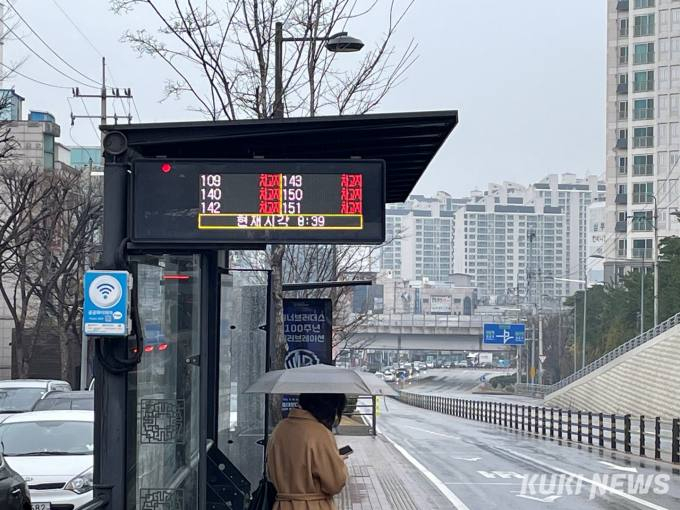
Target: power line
47	45
94	47
20	39
75	25
12	70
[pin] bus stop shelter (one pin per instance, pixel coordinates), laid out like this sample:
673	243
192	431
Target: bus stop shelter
173	428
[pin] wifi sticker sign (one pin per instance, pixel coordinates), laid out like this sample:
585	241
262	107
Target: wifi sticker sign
105	307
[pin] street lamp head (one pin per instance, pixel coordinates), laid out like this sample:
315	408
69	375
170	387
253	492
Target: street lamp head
342	43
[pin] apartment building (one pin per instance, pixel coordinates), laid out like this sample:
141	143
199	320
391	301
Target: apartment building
419	236
643	130
573	195
510	248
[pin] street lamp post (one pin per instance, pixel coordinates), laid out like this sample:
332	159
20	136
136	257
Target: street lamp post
585	303
338	43
655	261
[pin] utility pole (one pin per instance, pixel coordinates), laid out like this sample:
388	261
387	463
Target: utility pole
103	97
103	118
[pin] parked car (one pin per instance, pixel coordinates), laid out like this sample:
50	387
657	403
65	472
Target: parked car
461	364
53	452
13	489
66	400
20	395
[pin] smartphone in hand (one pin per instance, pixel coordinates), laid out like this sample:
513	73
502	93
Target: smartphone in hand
346	450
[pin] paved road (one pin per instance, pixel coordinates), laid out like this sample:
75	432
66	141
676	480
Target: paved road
460	382
480	466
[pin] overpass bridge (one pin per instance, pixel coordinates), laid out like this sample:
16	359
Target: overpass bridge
423	332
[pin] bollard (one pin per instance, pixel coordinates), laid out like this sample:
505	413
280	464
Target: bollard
642	436
543	421
657	438
601	427
495	413
569	424
505	415
580	425
536	419
675	442
590	427
529	418
523	415
559	423
552	422
626	433
612	424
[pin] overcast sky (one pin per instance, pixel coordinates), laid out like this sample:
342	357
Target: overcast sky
527	77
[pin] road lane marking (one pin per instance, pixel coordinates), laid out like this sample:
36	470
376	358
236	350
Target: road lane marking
469	459
441	486
547	499
432	432
620	468
594	483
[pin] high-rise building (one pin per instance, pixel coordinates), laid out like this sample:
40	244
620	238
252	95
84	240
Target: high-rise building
643	130
511	249
419	238
573	195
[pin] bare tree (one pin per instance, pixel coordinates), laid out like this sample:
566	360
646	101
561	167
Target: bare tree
47	232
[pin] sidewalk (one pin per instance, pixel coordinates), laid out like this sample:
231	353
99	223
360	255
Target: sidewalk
381	478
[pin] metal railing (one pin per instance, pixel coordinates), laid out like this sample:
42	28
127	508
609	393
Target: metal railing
617	432
619	351
430	320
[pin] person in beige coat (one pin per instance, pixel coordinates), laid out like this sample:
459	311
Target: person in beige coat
303	461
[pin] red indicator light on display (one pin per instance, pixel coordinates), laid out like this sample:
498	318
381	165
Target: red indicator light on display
162	347
176	277
166	167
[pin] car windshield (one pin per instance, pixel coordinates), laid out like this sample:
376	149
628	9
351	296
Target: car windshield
53	404
56	437
18	400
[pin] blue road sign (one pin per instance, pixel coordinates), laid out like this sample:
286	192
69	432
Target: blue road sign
105	307
504	334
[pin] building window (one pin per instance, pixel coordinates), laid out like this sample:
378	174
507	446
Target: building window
643	4
622	164
643	164
643	81
643	137
643	192
643	109
621	248
643	54
622	139
644	25
623	55
642	248
622	110
642	221
623	27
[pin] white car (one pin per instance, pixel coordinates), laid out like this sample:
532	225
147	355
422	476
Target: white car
388	376
53	452
20	395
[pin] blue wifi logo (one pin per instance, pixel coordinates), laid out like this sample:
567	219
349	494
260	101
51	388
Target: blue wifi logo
105	291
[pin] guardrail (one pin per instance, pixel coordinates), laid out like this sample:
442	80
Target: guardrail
594	429
615	353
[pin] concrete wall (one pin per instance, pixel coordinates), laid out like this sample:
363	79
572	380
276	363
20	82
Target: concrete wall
643	381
